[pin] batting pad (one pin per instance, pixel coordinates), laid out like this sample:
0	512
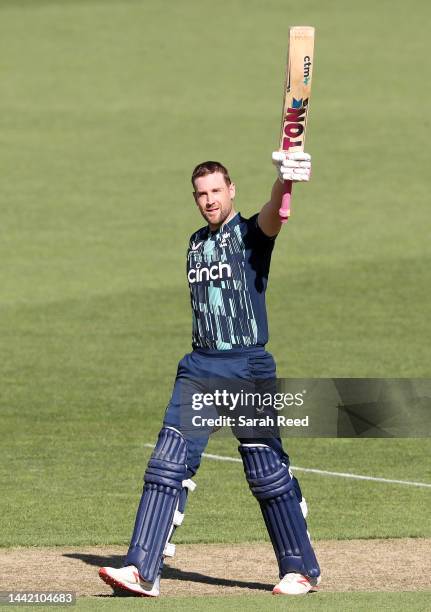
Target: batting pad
163	480
270	482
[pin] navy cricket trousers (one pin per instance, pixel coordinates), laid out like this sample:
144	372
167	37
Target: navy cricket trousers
248	365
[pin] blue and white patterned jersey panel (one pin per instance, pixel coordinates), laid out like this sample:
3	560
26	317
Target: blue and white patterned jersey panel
228	272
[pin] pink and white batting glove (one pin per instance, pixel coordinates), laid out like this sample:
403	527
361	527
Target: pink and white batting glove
292	166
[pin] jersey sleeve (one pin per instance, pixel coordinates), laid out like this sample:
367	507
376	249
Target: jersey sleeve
191	241
256	238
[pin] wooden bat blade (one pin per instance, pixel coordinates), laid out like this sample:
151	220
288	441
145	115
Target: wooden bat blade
296	102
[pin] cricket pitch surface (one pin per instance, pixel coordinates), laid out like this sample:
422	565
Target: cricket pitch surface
225	569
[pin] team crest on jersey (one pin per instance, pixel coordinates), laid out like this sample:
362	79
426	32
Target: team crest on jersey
222	238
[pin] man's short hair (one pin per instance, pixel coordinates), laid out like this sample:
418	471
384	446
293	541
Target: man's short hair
209	167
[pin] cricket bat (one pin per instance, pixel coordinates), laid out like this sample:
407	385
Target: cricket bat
296	103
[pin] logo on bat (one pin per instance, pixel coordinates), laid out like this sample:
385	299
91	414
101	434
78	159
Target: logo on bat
307	65
294	123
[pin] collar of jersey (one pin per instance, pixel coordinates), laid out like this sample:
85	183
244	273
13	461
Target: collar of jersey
234	221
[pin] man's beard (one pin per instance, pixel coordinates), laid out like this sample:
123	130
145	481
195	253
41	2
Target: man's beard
222	216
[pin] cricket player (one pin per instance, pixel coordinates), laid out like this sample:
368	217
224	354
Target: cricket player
228	264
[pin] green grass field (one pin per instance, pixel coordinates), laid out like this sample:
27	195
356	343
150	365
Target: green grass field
340	602
106	106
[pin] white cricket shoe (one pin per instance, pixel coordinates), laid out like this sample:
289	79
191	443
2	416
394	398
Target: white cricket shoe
128	578
295	584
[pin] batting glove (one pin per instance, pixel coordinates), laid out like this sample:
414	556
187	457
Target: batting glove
292	166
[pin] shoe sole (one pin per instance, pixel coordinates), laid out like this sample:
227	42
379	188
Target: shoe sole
313	588
121	585
280	592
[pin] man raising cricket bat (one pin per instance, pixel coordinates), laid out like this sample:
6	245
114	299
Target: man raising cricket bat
228	263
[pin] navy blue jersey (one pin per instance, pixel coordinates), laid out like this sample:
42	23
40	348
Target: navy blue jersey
228	272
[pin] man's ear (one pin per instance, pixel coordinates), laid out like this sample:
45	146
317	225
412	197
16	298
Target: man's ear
232	190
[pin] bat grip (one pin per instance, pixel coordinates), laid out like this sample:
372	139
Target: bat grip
284	211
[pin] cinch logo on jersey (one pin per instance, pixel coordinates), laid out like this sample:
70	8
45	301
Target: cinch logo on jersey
294	123
217	271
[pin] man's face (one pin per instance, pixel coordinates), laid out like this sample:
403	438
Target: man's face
214	198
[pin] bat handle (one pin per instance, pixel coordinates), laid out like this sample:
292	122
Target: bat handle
284	211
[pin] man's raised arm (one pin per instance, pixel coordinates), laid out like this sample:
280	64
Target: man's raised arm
290	167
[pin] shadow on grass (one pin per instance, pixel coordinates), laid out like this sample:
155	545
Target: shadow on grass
171	573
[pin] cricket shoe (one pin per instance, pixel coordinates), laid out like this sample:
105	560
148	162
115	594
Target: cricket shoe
295	584
128	579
